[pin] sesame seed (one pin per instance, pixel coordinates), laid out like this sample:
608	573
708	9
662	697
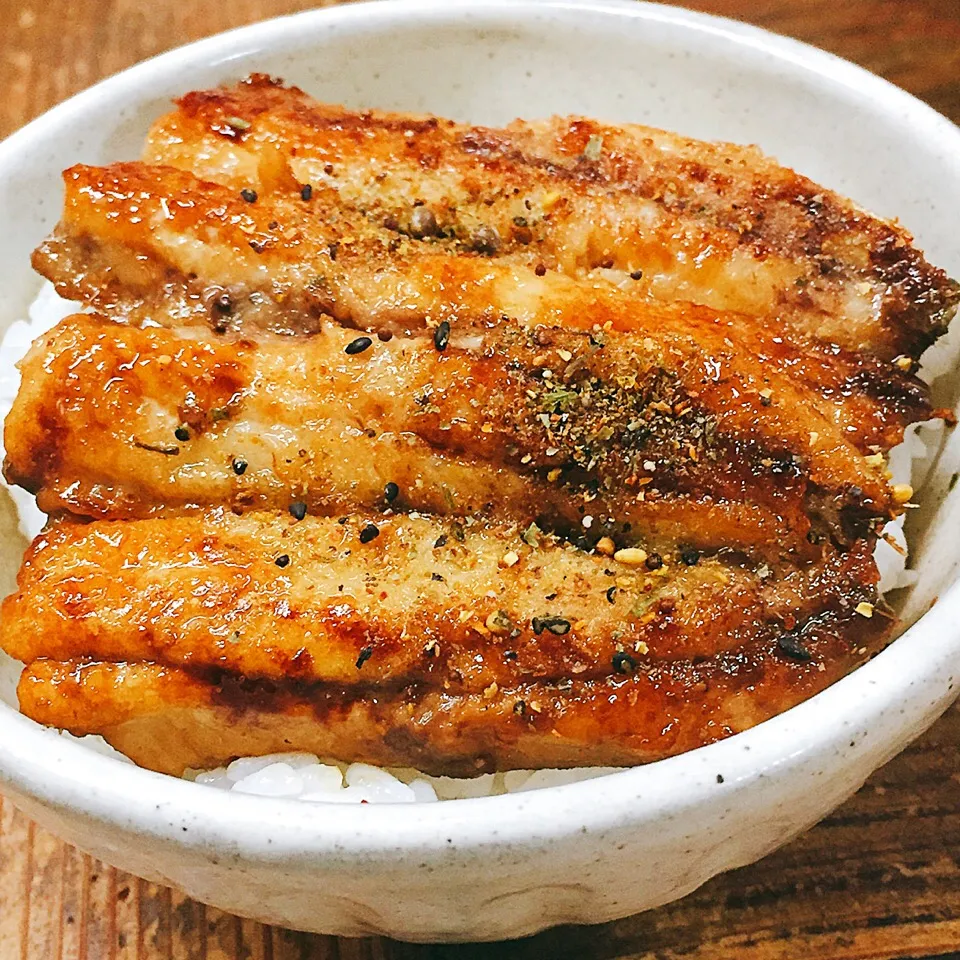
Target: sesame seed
249	195
653	562
365	654
611	594
690	557
540	270
306	192
902	492
793	648
370	532
441	336
556	625
298	509
282	560
605	547
357	346
182	434
390	492
223	303
631	556
623	662
239	466
636	275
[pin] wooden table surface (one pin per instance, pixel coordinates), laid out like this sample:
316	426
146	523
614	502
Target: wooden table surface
879	879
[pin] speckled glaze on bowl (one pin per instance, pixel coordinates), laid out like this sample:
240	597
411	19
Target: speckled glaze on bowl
506	866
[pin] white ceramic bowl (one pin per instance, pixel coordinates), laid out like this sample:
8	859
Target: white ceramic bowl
505	866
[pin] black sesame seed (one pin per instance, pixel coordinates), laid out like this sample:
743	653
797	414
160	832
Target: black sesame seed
384	336
441	336
390	492
182	434
486	240
239	466
690	557
282	560
653	562
441	541
437	577
719	778
249	195
793	648
370	532
298	509
365	654
540	270
357	346
223	303
556	625
785	466
509	654
423	223
611	593
765	401
520	707
306	191
623	662
636	275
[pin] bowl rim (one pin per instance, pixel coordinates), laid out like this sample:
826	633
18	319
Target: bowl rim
62	774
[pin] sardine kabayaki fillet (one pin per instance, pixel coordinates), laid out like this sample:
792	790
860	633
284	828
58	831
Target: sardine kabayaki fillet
137	238
170	719
403	599
154	242
717	224
117	421
341	363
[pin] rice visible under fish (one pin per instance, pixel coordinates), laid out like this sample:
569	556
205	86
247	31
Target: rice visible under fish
306	777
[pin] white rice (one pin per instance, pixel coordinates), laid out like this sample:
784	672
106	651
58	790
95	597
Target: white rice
305	777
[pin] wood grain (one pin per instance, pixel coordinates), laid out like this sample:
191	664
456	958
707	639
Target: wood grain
877	880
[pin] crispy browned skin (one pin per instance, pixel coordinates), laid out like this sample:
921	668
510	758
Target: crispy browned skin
158	242
637	340
717	224
169	719
424	601
474	429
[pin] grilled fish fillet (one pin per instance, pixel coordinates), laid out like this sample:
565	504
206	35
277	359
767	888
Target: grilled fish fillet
170	719
115	421
343	360
401	599
716	224
154	242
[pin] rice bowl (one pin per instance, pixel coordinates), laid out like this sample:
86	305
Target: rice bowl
304	776
674	816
